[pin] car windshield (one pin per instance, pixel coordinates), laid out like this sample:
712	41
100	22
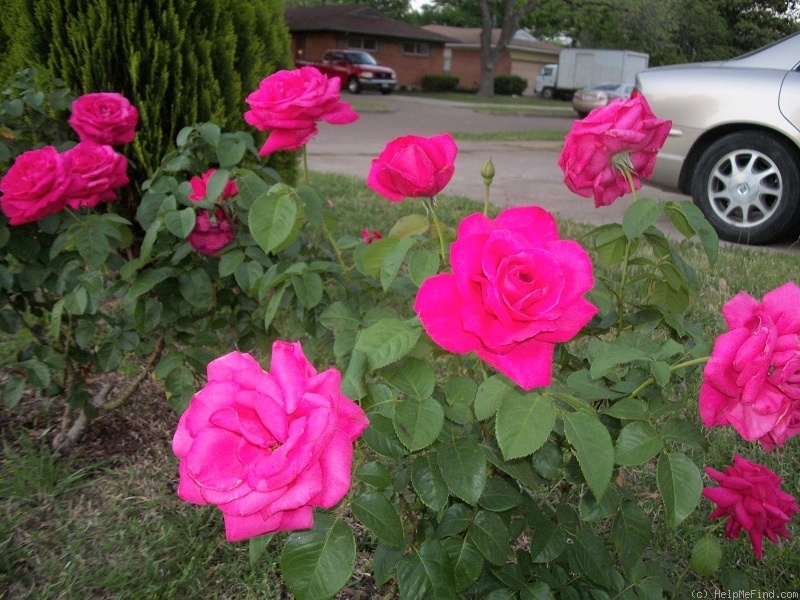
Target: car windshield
604	87
360	58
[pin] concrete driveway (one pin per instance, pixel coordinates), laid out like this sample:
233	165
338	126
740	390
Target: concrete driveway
526	172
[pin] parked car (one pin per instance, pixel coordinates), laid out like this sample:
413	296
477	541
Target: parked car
593	96
735	139
356	69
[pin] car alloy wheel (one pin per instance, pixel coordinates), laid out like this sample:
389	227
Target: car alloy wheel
748	186
353	85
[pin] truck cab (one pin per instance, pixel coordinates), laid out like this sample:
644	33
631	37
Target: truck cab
359	70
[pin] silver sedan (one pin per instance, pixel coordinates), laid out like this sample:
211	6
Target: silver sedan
735	139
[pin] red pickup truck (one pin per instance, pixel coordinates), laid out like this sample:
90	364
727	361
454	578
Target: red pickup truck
357	70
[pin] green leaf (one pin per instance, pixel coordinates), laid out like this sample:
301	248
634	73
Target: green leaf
210	133
197	289
548	461
273	305
428	481
309	288
353	378
378	514
536	591
92	245
631	533
381	438
250	187
384	561
230	151
369	257
418	424
375	474
413	377
180	222
605	356
610	243
77	301
708	237
524	423
684	432
636	444
339	317
628	408
589	557
272	217
179	387
313	203
14	388
229	262
490	394
147	280
409	225
490	535
257	547
392	261
426	574
593	449
455	519
466	559
318	563
387	341
463	466
680	484
706	556
422	264
639	216
499	495
661	372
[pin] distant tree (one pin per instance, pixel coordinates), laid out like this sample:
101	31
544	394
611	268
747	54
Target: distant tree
394	9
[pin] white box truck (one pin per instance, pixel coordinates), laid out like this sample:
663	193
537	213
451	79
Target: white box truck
579	67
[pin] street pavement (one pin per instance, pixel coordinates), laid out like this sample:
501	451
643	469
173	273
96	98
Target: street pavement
526	172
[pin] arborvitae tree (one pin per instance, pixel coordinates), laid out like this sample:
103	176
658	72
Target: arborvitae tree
180	62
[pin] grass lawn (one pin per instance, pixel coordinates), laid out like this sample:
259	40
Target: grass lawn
107	523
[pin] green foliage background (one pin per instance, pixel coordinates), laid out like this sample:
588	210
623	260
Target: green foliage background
180	62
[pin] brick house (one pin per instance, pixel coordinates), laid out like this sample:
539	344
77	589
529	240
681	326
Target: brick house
411	51
524	56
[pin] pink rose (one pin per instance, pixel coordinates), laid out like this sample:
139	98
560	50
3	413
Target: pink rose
96	172
35	186
291	102
199	186
211	233
623	132
267	447
752	380
104	118
370	236
412	167
749	495
516	289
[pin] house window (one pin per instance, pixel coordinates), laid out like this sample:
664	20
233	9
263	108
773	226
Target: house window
362	43
418	48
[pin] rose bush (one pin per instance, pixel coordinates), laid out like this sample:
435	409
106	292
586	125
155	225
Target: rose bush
607	154
749	495
104	118
752	380
413	166
266	447
515	291
290	103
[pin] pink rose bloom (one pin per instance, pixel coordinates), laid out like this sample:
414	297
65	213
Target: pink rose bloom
267	447
749	495
624	131
752	380
104	118
516	289
211	233
413	166
199	186
35	186
291	102
96	172
370	236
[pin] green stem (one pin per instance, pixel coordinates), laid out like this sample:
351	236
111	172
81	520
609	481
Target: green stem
622	281
305	165
429	205
336	249
486	202
673	368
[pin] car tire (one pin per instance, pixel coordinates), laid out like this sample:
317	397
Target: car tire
548	93
386	92
353	85
748	186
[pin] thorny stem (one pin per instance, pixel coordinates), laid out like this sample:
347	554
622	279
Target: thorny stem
625	167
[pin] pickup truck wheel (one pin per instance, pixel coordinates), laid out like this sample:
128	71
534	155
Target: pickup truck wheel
548	93
386	91
353	85
748	186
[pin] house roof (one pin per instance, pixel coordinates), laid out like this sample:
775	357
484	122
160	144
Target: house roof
471	37
356	19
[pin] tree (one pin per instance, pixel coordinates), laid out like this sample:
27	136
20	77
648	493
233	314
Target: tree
394	9
509	25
